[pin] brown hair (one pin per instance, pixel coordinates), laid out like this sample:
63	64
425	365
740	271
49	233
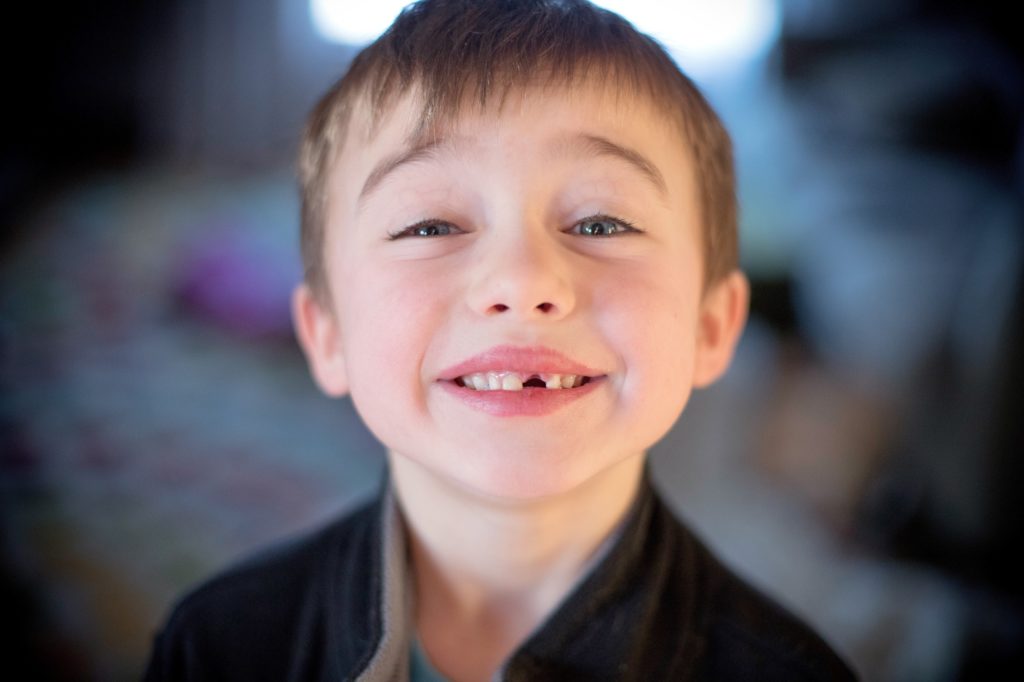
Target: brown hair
452	50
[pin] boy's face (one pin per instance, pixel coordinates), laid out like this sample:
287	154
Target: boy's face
557	236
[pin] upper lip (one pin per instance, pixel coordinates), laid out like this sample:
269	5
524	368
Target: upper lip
519	359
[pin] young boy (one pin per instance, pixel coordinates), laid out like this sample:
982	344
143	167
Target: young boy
519	233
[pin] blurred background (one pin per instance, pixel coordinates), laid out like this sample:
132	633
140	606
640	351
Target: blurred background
860	462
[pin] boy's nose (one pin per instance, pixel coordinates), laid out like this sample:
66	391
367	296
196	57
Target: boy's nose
528	280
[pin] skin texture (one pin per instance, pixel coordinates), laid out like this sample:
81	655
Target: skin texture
504	511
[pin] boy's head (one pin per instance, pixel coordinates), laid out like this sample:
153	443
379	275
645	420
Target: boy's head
513	192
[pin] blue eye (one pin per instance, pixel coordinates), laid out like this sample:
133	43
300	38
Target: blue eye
601	226
426	228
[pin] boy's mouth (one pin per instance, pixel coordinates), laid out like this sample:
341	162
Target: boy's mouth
516	381
520	381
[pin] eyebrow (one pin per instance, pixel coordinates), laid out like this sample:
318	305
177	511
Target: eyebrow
579	143
419	151
595	145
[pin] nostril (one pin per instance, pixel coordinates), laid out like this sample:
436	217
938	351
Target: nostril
542	307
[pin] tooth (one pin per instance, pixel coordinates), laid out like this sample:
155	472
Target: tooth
553	381
493	381
511	382
568	380
578	381
479	382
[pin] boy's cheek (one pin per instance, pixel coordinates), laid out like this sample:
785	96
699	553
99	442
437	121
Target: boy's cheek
391	290
392	317
652	323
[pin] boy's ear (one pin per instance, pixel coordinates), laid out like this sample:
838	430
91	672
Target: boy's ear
723	314
317	331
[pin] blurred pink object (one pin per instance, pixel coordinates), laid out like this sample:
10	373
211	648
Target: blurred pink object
238	281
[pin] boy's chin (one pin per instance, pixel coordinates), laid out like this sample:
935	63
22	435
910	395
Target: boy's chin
511	480
512	484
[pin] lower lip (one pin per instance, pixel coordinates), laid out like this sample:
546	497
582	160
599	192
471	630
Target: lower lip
529	402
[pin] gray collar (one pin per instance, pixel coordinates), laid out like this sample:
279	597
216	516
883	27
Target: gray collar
390	662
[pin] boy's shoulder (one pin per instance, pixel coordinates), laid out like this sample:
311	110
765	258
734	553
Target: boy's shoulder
748	635
662	606
748	631
268	616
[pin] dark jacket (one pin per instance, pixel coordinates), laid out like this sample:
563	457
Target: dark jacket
336	606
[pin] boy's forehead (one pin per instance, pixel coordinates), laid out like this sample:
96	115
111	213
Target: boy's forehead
568	117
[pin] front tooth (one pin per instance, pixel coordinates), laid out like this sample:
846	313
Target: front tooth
493	381
553	381
568	380
511	382
479	382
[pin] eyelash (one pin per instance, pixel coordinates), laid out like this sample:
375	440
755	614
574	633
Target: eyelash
627	227
430	222
411	230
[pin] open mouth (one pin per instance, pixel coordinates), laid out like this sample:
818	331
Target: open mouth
517	381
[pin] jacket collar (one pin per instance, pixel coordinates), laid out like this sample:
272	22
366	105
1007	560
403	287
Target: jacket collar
627	602
390	658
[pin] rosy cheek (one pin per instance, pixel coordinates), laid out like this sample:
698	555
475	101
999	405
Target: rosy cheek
651	321
400	310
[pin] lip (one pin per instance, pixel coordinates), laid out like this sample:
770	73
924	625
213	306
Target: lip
519	359
528	402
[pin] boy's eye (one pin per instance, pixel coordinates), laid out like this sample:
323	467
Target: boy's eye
601	226
427	228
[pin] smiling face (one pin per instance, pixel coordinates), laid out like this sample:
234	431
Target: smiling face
555	241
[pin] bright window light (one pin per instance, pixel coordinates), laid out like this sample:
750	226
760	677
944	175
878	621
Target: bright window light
353	21
706	36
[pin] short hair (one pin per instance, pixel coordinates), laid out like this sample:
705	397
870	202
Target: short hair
454	50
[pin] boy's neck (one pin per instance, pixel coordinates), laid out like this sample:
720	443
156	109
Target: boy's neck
497	569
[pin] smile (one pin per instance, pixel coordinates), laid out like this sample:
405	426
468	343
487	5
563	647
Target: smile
516	381
507	380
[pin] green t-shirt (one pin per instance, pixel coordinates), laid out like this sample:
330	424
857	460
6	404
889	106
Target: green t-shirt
420	667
